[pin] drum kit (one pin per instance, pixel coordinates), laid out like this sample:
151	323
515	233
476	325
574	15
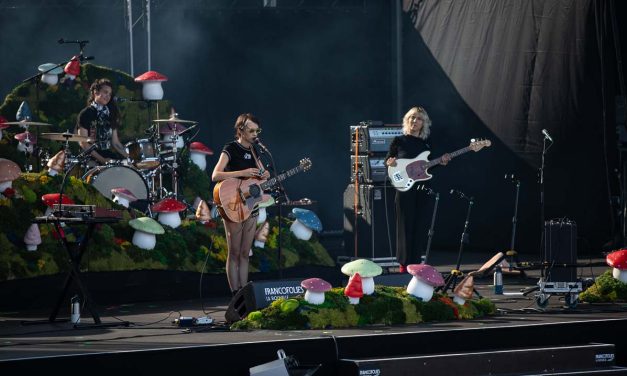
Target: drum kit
142	173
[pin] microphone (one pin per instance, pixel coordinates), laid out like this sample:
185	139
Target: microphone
262	146
546	135
87	151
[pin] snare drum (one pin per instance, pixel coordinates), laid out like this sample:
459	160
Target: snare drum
142	154
105	178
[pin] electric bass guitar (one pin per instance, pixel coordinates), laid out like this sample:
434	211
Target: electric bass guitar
237	198
408	171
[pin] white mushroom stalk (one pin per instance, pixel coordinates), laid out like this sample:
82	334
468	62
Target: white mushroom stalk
144	240
301	231
121	200
316	298
420	289
171	219
199	159
367	284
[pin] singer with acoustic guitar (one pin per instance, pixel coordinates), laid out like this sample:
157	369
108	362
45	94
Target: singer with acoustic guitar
409	226
100	121
240	160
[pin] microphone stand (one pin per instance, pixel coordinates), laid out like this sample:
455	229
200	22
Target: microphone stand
433	215
542	230
451	280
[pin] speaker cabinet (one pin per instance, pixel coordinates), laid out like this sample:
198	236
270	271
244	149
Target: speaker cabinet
560	248
375	221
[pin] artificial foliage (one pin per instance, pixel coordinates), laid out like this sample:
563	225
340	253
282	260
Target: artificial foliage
387	306
606	288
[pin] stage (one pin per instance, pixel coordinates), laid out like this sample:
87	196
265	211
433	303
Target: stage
152	343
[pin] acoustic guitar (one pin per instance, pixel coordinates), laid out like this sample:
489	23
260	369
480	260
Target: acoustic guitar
236	198
406	172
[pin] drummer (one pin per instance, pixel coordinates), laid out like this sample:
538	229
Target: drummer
100	121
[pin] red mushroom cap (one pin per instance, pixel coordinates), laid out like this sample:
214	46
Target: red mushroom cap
316	285
73	66
168	205
354	288
124	193
151	76
53	199
426	273
617	259
22	136
199	147
3	120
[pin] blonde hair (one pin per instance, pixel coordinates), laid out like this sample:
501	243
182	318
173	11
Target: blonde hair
426	122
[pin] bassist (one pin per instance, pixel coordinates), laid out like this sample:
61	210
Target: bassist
409	227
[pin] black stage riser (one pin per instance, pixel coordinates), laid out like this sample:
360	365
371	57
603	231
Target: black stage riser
236	359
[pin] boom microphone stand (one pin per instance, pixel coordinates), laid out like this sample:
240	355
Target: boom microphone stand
430	192
451	280
512	251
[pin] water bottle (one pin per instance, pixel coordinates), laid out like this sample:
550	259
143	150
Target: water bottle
75	316
498	280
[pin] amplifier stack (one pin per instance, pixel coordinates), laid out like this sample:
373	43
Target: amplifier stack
369	209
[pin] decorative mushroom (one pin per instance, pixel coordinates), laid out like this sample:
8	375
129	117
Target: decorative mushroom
305	222
56	164
354	289
145	230
261	235
426	277
168	210
263	213
203	213
316	288
50	72
52	199
198	154
32	238
123	196
463	291
151	82
618	261
366	269
3	125
26	141
72	68
168	129
23	112
9	171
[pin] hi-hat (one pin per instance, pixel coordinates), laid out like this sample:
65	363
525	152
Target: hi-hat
174	119
26	122
66	136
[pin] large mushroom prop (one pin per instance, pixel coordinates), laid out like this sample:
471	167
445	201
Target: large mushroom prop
261	235
463	291
316	288
354	290
56	164
32	238
52	199
145	230
168	210
203	212
305	223
151	81
3	125
123	196
263	213
50	73
168	130
198	154
425	279
367	270
72	68
26	141
9	171
618	261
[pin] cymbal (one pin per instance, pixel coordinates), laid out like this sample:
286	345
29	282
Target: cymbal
27	123
175	120
67	136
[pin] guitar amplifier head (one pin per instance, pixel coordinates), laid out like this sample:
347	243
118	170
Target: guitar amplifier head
373	138
370	169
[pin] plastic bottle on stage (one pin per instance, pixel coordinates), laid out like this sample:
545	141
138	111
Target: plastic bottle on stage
498	280
75	316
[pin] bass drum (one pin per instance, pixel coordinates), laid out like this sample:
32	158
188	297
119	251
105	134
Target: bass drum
105	178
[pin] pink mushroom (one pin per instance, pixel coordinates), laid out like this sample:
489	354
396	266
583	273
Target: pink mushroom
168	210
9	171
426	277
26	141
32	238
123	196
56	164
151	82
198	152
316	288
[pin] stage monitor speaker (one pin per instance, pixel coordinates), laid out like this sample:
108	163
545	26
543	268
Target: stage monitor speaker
258	295
372	222
560	248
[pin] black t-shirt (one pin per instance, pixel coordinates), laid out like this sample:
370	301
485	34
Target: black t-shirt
407	147
240	158
97	125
